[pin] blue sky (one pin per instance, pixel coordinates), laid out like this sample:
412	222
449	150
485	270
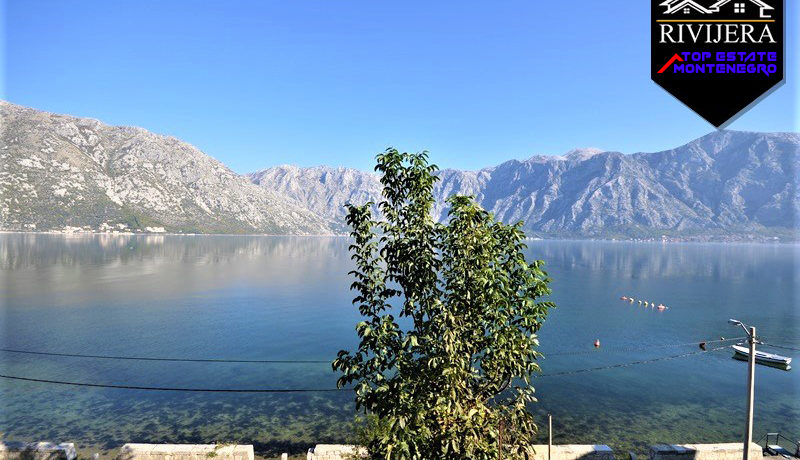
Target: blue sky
260	83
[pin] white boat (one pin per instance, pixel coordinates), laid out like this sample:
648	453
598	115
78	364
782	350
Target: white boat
761	356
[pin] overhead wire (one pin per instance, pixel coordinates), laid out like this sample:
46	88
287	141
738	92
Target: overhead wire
640	347
314	390
322	361
628	364
205	390
190	360
783	347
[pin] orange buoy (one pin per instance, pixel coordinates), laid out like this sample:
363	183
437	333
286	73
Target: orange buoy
597	343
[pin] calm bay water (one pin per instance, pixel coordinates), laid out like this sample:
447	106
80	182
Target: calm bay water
250	297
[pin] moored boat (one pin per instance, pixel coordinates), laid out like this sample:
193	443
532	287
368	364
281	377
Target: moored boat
762	357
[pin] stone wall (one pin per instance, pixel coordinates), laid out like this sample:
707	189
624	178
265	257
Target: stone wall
727	451
186	452
536	452
730	451
571	452
335	452
13	450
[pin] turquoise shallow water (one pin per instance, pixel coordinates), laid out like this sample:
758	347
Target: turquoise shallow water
250	297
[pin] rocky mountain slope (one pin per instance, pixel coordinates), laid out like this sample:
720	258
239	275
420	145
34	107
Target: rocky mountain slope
724	185
323	190
60	171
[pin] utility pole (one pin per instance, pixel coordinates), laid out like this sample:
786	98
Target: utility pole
751	369
500	440
751	384
549	435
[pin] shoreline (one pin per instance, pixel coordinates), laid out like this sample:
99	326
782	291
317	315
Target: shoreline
729	450
738	241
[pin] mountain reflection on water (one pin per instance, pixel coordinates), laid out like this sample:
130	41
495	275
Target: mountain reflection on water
257	297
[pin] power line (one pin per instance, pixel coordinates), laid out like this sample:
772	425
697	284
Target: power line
320	390
320	361
781	346
777	337
190	360
632	363
204	390
640	347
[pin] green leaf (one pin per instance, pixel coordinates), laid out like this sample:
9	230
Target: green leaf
470	305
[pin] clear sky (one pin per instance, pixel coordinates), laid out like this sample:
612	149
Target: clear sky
261	83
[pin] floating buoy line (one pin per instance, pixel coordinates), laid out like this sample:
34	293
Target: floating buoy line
645	303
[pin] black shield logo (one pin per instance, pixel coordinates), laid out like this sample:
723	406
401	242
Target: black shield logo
717	56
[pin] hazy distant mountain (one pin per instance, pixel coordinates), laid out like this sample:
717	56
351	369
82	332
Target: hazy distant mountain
322	189
726	184
58	171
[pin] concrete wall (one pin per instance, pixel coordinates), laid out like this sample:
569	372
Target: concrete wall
335	452
537	452
13	450
571	452
728	451
731	451
186	452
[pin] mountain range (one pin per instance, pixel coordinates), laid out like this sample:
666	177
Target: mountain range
59	171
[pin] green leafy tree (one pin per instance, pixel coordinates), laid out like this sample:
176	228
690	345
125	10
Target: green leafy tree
450	374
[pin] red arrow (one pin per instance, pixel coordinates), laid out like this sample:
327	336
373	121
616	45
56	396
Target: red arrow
669	63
